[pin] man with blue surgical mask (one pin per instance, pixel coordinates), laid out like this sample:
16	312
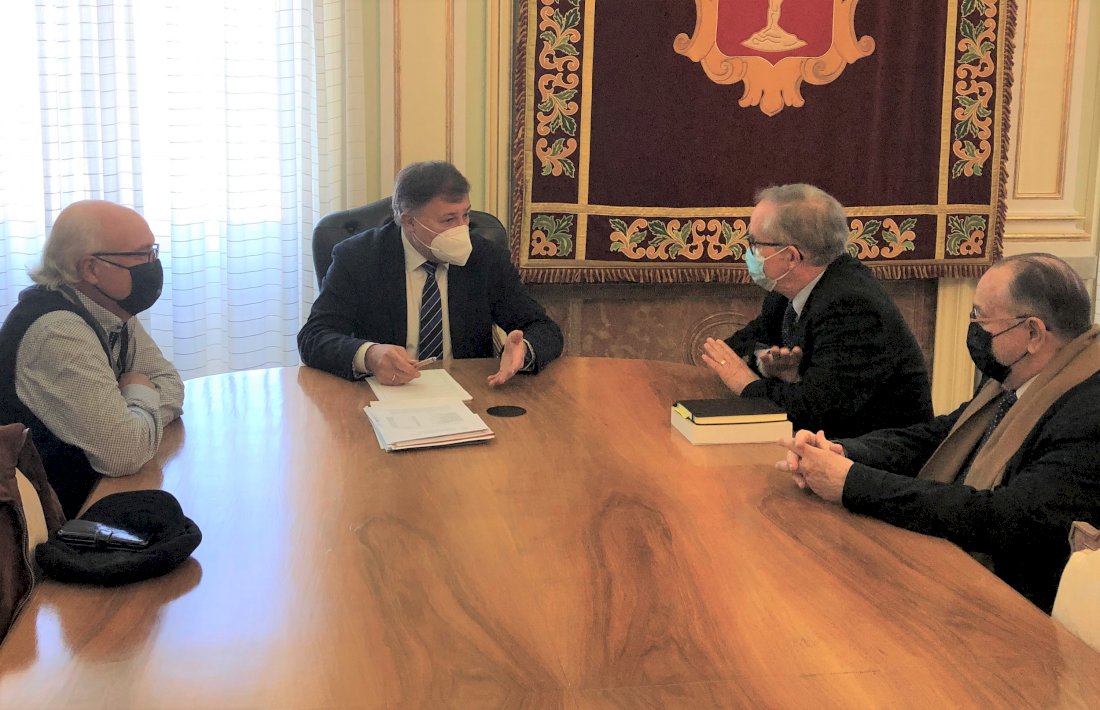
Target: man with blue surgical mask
829	346
423	287
76	367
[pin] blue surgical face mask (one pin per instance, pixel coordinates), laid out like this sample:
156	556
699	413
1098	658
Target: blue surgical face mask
756	269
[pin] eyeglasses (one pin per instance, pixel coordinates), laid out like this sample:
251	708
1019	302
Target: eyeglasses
755	245
975	318
146	255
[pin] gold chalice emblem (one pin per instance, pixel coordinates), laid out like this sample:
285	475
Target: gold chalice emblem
773	38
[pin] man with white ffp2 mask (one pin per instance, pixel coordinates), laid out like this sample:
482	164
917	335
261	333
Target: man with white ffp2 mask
423	286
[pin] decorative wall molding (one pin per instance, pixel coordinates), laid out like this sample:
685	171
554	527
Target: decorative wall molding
1053	160
1046	83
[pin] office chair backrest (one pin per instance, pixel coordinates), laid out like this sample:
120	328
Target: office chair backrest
338	226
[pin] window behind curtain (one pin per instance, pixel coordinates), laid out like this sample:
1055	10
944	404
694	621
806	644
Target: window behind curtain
200	115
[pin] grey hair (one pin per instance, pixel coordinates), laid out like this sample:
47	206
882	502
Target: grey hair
1048	288
75	234
419	183
808	218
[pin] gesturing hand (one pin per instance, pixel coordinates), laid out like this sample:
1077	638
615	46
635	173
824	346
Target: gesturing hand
511	359
730	367
780	363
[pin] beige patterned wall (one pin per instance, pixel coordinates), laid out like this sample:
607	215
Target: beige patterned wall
436	75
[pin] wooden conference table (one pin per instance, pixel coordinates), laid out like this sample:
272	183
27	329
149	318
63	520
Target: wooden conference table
588	557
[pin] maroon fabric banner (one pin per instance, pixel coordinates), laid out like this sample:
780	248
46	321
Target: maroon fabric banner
644	129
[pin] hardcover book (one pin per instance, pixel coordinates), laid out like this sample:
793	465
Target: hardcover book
730	410
745	433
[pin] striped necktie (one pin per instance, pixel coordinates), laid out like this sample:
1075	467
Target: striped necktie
431	316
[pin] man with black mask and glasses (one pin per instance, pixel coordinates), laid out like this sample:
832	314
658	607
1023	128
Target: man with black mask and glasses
76	367
1005	474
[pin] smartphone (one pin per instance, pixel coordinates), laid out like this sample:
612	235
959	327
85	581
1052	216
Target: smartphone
88	533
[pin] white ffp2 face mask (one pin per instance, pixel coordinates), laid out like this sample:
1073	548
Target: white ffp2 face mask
451	246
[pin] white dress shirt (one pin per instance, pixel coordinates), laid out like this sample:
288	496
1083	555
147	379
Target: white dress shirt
414	290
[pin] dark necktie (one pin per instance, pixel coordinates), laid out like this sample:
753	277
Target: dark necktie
121	339
787	332
1007	400
1003	405
431	317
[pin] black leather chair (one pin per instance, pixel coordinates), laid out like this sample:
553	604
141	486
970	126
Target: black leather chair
338	226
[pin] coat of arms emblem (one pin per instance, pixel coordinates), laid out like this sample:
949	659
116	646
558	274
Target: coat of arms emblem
772	46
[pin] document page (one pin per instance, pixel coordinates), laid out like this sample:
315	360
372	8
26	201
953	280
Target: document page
432	384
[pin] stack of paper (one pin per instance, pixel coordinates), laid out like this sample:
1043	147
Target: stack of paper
429	411
418	424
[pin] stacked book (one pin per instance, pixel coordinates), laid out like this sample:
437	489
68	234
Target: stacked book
733	420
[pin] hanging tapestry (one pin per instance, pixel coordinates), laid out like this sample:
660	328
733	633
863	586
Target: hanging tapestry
643	130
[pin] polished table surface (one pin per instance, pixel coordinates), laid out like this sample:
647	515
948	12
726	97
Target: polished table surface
588	557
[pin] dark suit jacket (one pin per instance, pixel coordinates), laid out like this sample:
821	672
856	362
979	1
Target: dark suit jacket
363	298
861	366
1024	523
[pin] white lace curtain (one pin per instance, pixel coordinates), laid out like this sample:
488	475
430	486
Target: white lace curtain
201	114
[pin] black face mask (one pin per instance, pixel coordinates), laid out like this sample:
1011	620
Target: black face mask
979	342
146	282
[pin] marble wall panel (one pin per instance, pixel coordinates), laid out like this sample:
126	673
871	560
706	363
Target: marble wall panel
658	322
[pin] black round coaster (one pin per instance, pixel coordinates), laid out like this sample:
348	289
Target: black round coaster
506	410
